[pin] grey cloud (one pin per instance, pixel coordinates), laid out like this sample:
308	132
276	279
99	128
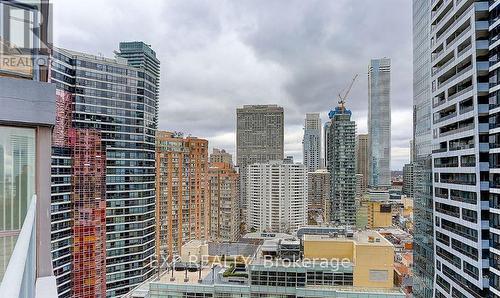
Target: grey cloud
218	55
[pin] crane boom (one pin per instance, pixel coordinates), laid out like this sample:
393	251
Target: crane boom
342	98
349	89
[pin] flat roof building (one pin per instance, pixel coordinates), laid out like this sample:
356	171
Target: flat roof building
358	265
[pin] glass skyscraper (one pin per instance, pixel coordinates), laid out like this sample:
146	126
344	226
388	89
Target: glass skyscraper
342	166
423	250
116	103
311	144
379	123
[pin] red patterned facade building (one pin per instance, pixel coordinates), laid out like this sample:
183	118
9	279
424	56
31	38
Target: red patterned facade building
85	172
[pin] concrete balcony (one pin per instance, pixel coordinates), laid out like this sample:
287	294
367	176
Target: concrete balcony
455	76
461	92
457	130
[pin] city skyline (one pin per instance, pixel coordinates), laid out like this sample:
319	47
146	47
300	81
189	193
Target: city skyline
197	60
129	149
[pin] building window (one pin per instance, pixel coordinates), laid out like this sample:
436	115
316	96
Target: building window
379	275
17	184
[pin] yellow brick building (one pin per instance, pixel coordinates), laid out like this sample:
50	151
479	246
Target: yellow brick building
379	215
371	255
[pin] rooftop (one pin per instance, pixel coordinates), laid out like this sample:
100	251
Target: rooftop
360	238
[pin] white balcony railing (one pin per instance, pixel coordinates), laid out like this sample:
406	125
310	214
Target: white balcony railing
20	276
20	279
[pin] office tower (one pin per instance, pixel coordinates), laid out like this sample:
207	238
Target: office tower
116	103
342	166
259	138
379	123
182	191
311	144
423	244
223	195
220	155
459	67
408	180
276	196
318	196
326	129
362	158
277	268
288	159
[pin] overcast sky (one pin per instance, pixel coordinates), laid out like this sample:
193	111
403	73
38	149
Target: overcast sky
219	55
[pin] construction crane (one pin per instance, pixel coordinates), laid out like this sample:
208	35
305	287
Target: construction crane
342	98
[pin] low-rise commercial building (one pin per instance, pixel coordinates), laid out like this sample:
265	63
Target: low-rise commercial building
350	265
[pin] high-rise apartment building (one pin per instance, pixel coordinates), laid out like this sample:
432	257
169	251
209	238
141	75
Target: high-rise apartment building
423	243
379	123
108	111
259	139
140	55
460	71
311	144
360	189
182	191
318	196
276	196
223	195
326	129
408	180
362	158
494	145
342	166
220	155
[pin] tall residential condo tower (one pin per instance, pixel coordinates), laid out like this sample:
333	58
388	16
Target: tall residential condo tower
379	123
276	196
463	222
423	244
342	166
259	139
223	194
181	191
311	144
362	159
107	116
326	129
318	197
220	155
